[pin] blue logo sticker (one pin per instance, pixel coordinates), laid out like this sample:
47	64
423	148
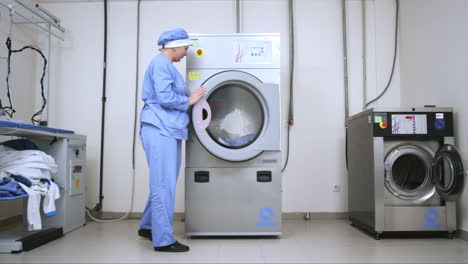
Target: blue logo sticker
431	216
266	215
439	124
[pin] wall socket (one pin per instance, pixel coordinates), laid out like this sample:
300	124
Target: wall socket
336	188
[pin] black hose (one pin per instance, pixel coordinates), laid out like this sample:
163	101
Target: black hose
103	112
9	109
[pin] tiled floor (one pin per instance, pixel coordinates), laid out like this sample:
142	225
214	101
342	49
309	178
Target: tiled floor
330	240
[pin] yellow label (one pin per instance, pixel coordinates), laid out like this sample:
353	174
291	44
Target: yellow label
77	183
194	76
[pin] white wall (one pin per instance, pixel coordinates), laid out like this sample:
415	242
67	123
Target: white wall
434	63
316	160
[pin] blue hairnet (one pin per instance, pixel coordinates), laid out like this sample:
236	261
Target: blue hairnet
174	34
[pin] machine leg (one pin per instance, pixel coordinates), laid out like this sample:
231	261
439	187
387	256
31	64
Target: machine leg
377	236
450	235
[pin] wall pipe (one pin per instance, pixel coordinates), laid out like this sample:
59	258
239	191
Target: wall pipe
291	62
103	113
291	78
364	55
237	16
345	58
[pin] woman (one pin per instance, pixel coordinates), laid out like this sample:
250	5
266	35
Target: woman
164	121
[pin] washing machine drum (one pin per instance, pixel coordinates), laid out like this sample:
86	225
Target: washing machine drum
412	173
237	116
242	116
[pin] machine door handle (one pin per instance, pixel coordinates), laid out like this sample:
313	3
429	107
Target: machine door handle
201	115
202	176
263	176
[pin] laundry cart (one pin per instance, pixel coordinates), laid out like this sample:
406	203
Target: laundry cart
69	152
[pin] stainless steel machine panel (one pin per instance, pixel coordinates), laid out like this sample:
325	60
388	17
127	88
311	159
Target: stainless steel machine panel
361	196
233	201
415	218
70	156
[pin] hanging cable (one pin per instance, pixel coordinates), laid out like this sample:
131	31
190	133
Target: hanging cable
134	127
9	109
394	57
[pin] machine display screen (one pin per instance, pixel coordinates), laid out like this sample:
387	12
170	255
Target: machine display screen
256	51
409	124
253	52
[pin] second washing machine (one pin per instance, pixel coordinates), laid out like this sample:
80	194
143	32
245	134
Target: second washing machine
404	173
233	155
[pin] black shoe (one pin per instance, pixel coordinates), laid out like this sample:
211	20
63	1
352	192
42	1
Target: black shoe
176	247
146	233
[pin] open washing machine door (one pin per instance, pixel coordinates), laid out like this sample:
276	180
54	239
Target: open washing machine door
448	173
241	118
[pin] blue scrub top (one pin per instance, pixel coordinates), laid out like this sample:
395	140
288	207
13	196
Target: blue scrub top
165	100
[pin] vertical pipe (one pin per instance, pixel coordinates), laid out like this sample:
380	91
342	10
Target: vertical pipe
45	113
345	58
291	62
364	55
237	16
291	77
103	112
137	67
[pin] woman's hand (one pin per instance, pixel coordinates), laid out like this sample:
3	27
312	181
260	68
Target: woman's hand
196	95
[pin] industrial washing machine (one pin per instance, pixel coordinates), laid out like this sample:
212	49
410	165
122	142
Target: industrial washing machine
233	154
404	174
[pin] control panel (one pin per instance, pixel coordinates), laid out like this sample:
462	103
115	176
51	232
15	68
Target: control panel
412	124
239	51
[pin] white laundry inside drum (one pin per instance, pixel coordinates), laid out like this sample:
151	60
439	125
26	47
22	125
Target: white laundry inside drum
237	116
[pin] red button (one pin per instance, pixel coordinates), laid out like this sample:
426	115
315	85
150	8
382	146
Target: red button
199	52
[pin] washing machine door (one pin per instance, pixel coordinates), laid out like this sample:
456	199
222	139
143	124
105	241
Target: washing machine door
241	117
448	173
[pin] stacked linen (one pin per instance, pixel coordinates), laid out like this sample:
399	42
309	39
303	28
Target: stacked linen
34	168
10	189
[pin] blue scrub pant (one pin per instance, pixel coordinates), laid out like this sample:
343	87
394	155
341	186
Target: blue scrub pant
163	155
